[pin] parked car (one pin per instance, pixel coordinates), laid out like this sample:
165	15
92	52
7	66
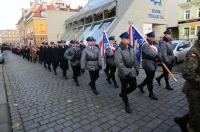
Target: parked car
180	49
2	58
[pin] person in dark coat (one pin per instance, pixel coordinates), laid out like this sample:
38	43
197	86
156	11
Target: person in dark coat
64	65
149	63
45	54
41	53
74	55
110	64
126	63
167	55
49	55
55	57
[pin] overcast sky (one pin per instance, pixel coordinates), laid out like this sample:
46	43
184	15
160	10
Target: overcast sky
10	11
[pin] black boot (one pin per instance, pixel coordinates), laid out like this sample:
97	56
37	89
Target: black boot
168	87
116	86
55	72
141	89
109	82
77	83
49	69
94	90
152	96
128	109
158	81
182	122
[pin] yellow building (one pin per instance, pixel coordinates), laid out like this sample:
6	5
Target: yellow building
35	25
189	19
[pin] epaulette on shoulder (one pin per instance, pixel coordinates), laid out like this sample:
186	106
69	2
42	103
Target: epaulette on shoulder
121	47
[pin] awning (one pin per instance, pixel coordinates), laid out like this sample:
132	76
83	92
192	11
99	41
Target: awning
93	7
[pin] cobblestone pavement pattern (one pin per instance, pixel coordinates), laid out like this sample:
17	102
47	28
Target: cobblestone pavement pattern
40	101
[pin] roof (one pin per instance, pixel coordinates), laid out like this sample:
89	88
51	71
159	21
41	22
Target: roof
51	7
93	6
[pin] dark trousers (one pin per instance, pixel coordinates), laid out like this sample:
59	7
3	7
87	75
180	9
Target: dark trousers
94	75
55	65
107	69
128	85
165	74
45	63
40	59
111	74
148	81
76	72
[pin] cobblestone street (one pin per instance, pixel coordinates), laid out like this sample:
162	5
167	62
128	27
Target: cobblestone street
40	101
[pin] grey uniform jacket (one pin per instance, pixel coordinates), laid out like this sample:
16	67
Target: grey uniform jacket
166	52
125	61
149	62
91	58
74	55
110	56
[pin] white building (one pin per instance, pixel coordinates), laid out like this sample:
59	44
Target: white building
56	24
114	17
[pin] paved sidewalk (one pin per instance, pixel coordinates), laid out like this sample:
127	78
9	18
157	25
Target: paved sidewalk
41	101
4	110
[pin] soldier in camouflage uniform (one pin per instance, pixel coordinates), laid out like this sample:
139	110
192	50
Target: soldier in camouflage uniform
191	73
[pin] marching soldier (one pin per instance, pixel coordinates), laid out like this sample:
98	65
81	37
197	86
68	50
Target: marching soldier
91	60
40	53
191	73
50	55
45	54
149	63
74	55
127	68
55	57
167	55
63	61
110	64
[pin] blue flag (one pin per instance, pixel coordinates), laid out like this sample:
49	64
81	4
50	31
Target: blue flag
138	41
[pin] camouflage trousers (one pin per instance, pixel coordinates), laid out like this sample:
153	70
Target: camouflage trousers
193	97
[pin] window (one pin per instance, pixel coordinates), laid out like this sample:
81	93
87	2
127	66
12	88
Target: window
186	32
188	1
199	12
187	14
192	31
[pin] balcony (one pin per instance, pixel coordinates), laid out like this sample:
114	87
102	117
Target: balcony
186	5
196	2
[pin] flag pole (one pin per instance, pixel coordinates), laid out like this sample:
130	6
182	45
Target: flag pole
163	64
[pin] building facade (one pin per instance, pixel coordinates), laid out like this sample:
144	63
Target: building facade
56	23
10	36
114	16
34	24
189	19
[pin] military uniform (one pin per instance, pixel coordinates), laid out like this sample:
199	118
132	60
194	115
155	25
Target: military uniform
110	64
149	63
45	55
64	65
191	73
91	60
74	55
167	56
40	53
126	63
55	58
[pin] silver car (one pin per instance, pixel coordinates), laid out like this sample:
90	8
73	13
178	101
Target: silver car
180	48
2	58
